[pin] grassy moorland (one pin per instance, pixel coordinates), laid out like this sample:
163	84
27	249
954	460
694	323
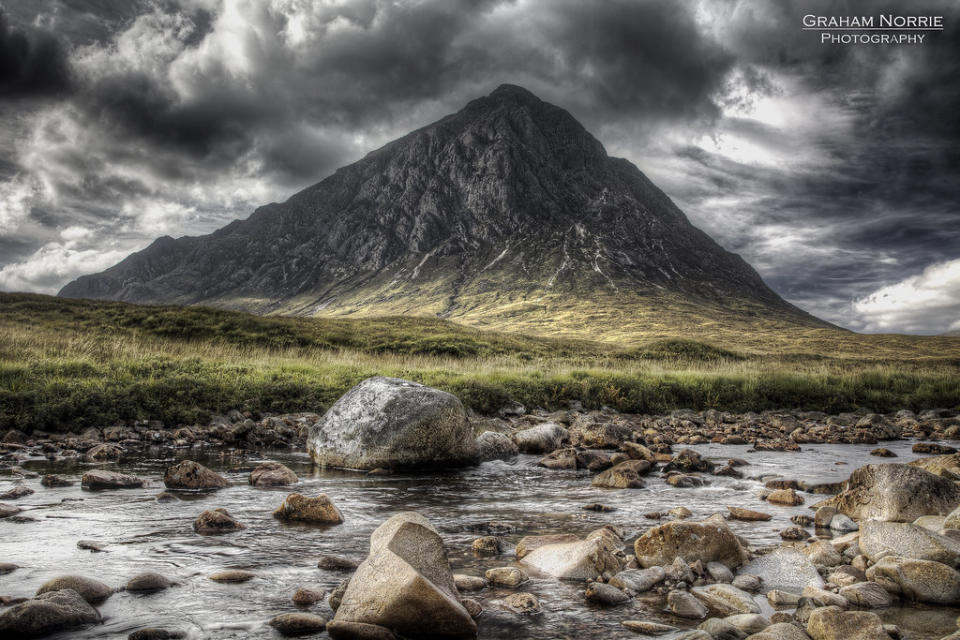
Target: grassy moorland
68	364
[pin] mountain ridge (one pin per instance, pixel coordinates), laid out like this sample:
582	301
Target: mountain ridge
505	213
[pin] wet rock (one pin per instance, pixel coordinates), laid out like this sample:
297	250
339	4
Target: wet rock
393	423
581	560
166	496
192	476
232	576
720	629
786	569
878	539
215	522
725	599
7	567
91	545
104	452
333	562
358	631
469	583
299	508
8	510
920	580
947	466
823	598
496	446
488	545
787	497
93	591
832	623
595	506
522	603
684	481
866	595
560	459
841	523
719	572
689	461
148	581
822	552
154	633
648	628
635	581
747	582
748	515
704	541
883	453
685	605
542	438
932	448
778	598
895	493
405	584
625	475
336	596
781	631
748	622
802	520
605	594
793	533
298	624
272	474
473	607
823	516
638	452
18	491
48	612
306	596
952	520
101	479
52	480
506	576
530	543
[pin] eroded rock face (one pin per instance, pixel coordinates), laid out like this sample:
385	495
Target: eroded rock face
48	612
581	560
393	423
878	539
691	541
405	585
193	476
921	580
895	493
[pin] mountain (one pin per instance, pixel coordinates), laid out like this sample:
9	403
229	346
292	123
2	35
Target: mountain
507	214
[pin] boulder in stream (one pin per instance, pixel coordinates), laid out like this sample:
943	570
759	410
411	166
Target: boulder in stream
48	612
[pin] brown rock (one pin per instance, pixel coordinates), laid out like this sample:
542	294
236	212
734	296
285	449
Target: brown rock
787	497
215	522
299	508
272	474
192	476
738	513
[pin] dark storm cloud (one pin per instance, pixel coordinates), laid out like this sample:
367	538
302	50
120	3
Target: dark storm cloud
32	61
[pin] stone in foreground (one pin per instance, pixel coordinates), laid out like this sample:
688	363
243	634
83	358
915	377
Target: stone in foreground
707	541
46	613
393	423
405	585
832	623
93	591
581	560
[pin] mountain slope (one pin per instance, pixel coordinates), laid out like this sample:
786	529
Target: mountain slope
507	214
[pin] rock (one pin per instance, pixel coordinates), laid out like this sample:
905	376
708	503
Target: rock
866	595
495	446
719	572
637	451
306	596
192	476
787	497
684	481
625	475
337	594
300	508
748	622
794	533
542	438
947	466
18	491
883	453
780	631
7	567
405	584
100	479
333	562
932	448
232	575
523	603
842	523
489	545
506	576
48	612
694	635
683	604
581	560
605	594
704	541
878	539
215	522
823	598
103	452
530	543
895	493
778	598
50	481
680	513
822	552
469	583
720	629
823	516
635	581
786	569
272	474
358	631
154	633
725	599
166	496
148	581
91	545
846	574
921	580
738	513
393	423
832	623
952	521
648	628
689	461
8	510
93	591
298	624
747	582
560	459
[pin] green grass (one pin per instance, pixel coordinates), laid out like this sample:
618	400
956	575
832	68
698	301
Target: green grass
69	364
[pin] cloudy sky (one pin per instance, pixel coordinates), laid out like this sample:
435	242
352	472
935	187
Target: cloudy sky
833	169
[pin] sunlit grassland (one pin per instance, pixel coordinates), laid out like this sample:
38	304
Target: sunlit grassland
68	364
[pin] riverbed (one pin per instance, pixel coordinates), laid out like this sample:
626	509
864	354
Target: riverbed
140	533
